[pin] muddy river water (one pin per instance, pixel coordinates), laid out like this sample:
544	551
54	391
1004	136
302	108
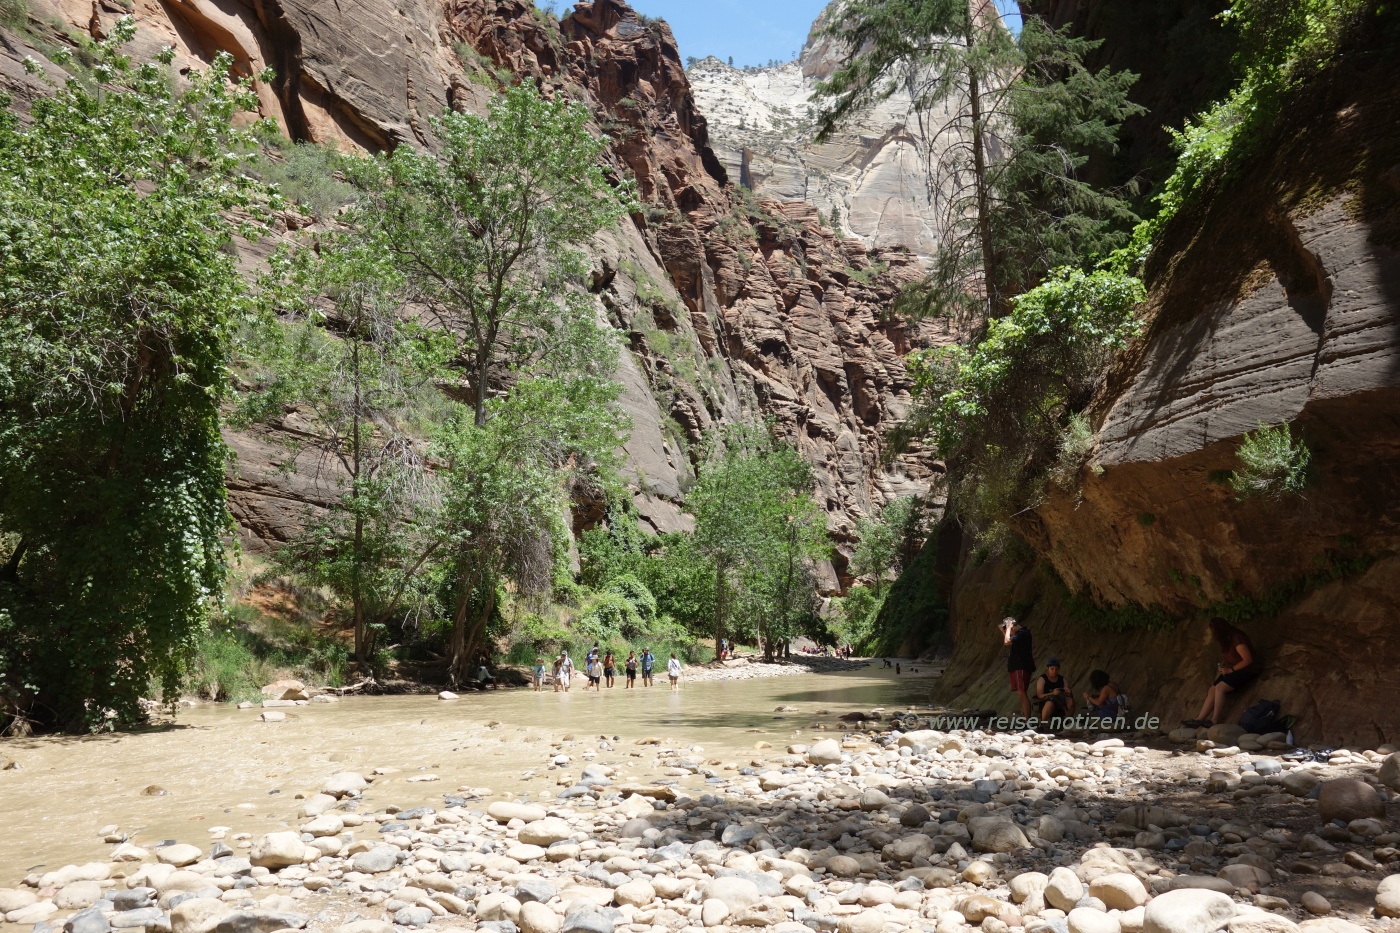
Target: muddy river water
217	766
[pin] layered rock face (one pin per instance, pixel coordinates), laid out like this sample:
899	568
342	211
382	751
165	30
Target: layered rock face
730	306
873	172
1276	301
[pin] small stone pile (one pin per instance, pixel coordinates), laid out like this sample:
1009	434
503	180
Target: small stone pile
907	828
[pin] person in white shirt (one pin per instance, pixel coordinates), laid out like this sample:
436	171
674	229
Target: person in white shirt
566	671
673	670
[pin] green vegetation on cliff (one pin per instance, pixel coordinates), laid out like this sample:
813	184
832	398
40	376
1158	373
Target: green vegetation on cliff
452	501
118	301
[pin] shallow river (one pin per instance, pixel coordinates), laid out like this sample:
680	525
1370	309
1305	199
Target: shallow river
220	766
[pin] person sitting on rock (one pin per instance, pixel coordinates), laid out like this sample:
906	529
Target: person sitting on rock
1103	696
1052	692
1235	671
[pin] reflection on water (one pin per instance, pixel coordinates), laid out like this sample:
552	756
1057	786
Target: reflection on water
221	767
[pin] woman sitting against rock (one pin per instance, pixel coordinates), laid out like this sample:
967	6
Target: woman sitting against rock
1103	696
1236	671
1052	692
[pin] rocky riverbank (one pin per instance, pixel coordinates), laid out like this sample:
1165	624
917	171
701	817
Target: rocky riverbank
896	829
747	668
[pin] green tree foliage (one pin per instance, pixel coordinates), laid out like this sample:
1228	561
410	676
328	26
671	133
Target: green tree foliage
610	615
882	617
756	520
880	542
488	231
854	616
630	588
915	610
997	412
1281	42
1024	114
678	575
342	352
506	492
118	299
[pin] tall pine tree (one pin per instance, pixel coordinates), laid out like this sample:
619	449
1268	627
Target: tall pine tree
1005	123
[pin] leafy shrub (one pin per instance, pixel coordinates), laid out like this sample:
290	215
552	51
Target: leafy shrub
1075	444
999	411
635	592
670	567
1281	42
536	635
609	616
1272	463
305	173
224	668
14	13
234	658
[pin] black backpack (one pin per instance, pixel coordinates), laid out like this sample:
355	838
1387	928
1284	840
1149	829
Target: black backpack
1260	717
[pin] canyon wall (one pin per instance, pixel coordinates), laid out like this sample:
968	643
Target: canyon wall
872	172
729	306
1276	299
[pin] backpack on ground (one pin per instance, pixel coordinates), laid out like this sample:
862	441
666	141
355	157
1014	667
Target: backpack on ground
1260	717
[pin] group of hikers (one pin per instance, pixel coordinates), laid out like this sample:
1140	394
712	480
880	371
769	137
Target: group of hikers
600	667
1050	695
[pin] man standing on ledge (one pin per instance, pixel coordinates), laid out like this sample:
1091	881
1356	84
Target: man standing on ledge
1020	660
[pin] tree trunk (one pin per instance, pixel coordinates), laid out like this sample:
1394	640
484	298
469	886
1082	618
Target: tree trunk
458	647
719	604
979	168
357	596
483	367
478	629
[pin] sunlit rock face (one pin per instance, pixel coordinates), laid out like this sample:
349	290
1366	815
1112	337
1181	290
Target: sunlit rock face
872	172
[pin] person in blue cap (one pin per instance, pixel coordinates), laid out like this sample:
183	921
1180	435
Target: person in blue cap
1053	693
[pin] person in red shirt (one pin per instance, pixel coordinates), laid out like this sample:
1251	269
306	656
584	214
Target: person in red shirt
1235	671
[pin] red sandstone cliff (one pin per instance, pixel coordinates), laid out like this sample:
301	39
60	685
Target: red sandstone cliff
1275	300
729	308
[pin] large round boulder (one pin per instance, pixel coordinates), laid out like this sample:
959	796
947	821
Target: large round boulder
278	850
1348	799
1188	910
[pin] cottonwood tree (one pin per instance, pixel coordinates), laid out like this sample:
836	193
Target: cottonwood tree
506	485
1004	124
343	351
488	232
119	296
880	542
756	520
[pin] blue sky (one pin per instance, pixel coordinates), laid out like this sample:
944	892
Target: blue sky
752	31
